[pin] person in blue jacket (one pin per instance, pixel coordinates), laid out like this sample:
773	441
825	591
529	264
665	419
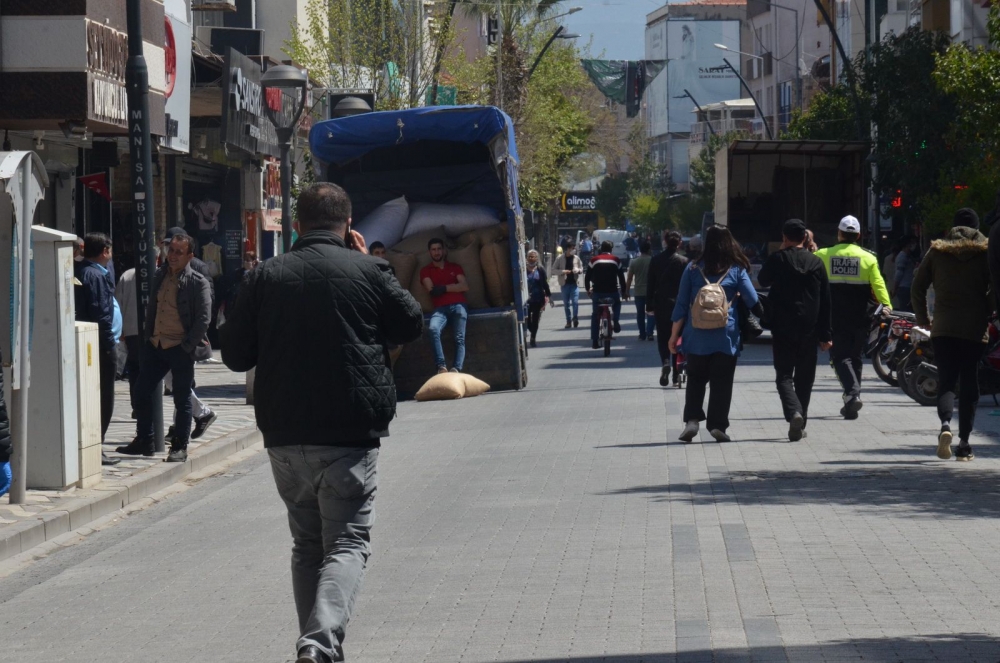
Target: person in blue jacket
711	353
5	443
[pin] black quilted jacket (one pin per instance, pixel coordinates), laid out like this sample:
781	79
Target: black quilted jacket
315	323
5	444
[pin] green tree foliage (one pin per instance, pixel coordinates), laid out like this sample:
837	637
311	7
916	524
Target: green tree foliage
702	169
613	198
830	116
351	43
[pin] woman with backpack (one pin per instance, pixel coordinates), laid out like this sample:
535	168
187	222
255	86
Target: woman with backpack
706	318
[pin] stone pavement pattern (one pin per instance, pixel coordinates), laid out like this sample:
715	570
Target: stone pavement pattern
565	523
220	389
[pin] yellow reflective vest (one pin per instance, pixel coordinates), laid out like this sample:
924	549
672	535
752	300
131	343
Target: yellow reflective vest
854	279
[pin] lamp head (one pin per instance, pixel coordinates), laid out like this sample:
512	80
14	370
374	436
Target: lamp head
284	77
567	35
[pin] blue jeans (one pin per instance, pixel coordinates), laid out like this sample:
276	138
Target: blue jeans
647	323
330	495
571	300
595	318
456	315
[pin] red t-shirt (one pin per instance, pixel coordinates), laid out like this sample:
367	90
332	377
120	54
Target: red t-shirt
447	275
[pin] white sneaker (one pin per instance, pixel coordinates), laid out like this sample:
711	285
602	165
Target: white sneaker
720	435
690	431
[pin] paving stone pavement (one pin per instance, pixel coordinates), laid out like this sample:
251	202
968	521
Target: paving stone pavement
220	389
566	523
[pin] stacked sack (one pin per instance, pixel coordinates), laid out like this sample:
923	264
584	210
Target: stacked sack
477	241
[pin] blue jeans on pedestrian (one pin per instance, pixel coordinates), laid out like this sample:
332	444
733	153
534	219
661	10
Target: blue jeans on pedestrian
571	301
647	323
330	495
455	315
595	318
154	364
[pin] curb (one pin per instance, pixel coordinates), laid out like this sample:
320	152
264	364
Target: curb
73	514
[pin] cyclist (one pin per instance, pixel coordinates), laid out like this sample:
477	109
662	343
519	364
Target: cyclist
605	279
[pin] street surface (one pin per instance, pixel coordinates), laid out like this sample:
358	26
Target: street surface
566	523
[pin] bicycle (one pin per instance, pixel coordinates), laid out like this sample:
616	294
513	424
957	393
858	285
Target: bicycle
604	334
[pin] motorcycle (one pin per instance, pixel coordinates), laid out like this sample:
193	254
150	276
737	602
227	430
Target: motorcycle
921	374
889	342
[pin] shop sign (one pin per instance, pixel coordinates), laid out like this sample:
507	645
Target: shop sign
244	121
177	63
270	203
578	201
107	53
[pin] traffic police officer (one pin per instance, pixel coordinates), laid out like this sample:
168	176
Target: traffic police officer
854	277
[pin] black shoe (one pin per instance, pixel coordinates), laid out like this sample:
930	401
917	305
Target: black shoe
851	408
532	342
641	337
170	433
665	375
140	446
310	654
107	460
201	424
178	452
617	327
576	323
795	425
964	452
651	337
595	345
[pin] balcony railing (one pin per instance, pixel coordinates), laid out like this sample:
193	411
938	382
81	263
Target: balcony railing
700	132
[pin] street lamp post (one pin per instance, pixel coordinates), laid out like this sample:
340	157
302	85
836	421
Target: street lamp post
688	95
558	34
282	78
767	125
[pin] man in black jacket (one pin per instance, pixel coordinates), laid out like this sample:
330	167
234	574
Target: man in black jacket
798	308
177	320
665	272
95	302
603	280
316	323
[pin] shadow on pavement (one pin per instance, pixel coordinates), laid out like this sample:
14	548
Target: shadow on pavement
942	488
958	647
235	391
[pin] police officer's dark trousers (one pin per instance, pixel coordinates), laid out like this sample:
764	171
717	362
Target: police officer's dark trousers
846	357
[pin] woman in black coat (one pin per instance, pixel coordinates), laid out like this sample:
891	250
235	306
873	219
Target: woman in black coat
539	294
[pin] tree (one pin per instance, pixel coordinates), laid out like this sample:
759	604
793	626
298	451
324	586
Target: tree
702	170
374	44
613	198
830	116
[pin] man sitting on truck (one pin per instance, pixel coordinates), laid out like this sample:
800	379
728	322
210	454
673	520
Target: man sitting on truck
603	280
447	285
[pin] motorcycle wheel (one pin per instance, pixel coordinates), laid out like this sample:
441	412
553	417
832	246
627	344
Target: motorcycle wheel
907	365
881	366
923	388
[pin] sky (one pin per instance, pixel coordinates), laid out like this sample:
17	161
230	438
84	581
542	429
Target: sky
618	27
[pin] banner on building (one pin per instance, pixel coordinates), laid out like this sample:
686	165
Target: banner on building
695	64
623	81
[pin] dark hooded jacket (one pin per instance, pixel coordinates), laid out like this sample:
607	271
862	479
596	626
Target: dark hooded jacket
316	323
5	443
664	280
958	268
798	304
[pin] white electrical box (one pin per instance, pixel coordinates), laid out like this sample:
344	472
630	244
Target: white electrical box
88	381
53	455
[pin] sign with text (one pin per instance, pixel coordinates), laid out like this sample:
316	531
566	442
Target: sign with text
107	52
245	124
578	201
177	63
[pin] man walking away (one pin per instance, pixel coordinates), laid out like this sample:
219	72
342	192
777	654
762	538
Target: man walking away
906	264
447	285
991	221
175	328
638	270
854	278
664	280
603	280
568	267
323	402
958	268
126	296
799	310
95	302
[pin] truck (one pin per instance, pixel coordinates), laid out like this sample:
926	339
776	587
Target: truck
759	184
441	155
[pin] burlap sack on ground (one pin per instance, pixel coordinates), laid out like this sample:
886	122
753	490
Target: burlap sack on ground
468	259
496	271
404	264
474	386
442	387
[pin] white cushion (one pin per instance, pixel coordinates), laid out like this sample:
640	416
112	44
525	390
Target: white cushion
386	223
456	219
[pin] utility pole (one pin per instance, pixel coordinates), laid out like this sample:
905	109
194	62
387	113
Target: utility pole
871	38
140	151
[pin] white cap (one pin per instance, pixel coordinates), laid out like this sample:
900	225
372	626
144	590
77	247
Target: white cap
849	224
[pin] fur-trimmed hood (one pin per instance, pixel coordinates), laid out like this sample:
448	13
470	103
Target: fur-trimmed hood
962	242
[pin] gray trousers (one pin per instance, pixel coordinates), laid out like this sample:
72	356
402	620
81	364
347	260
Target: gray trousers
329	493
